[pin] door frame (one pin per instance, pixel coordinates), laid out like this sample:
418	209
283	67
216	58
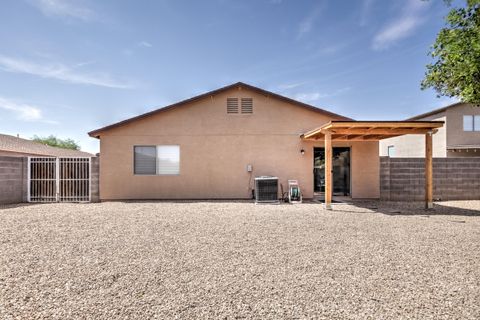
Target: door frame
349	168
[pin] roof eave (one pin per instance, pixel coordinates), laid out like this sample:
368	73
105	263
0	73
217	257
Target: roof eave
96	133
435	111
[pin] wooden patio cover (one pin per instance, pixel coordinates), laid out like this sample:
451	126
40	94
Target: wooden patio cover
374	131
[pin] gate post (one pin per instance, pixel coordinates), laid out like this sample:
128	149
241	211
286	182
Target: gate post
29	176
57	179
90	179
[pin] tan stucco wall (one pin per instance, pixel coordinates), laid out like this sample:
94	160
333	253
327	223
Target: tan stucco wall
455	133
215	149
450	134
413	145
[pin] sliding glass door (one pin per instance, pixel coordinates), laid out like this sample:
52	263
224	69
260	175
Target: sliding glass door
341	170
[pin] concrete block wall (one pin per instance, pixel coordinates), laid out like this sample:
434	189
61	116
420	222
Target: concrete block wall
95	187
403	179
13	179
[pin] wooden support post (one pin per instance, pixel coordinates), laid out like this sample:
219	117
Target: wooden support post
328	171
428	171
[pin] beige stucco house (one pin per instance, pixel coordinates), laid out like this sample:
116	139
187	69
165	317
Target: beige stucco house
212	146
459	137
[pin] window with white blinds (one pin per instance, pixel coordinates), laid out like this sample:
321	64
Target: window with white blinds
145	160
168	159
157	160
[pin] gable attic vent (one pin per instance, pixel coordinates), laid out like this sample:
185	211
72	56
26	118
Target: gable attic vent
247	105
232	105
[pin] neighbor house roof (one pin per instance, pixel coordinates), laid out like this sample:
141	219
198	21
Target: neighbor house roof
18	145
96	133
431	113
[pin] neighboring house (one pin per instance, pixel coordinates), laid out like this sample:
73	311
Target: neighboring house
18	147
459	137
212	146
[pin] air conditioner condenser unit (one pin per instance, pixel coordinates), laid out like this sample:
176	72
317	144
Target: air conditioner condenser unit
266	189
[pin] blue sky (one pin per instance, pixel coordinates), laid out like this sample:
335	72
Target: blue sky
68	67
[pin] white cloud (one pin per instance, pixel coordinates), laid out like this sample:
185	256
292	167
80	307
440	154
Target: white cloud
63	8
401	27
314	96
331	49
82	64
308	97
307	23
24	112
127	52
289	86
365	12
60	72
145	44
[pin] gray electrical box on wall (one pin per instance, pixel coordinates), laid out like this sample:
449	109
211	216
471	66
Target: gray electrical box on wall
249	168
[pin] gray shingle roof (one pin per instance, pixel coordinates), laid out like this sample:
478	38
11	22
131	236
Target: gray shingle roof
430	113
13	144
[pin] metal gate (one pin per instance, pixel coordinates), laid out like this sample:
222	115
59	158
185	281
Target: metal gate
59	179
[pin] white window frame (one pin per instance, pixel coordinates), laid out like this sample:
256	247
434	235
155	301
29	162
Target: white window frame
472	119
391	147
476	122
157	164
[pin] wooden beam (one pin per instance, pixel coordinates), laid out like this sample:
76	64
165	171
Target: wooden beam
385	128
341	137
362	137
345	138
356	139
385	124
367	136
328	171
353	138
381	131
428	171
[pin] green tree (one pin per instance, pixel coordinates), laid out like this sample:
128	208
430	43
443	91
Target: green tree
53	141
455	71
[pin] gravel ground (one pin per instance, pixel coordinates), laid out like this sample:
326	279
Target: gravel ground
162	260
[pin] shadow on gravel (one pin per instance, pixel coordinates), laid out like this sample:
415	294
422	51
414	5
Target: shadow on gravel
411	209
19	205
186	201
245	201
